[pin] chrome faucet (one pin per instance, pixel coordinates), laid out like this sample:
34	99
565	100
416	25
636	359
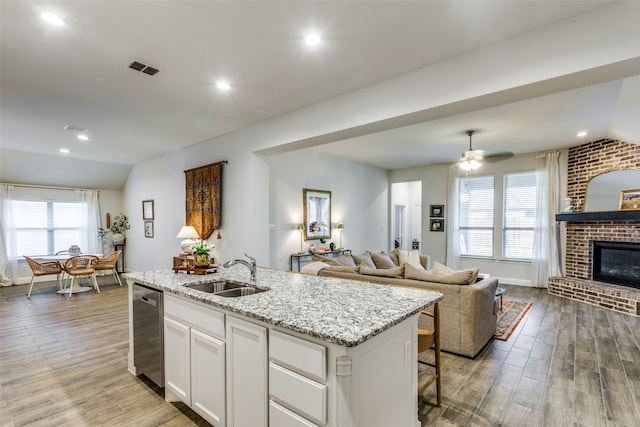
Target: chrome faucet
250	265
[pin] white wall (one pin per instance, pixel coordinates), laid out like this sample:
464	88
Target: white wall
359	195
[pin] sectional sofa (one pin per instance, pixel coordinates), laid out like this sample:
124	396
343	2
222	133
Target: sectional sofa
468	308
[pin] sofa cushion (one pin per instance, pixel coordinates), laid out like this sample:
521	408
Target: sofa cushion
343	268
346	260
410	257
382	260
463	277
326	260
443	270
384	272
364	258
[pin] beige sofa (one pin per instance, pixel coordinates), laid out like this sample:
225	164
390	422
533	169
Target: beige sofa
467	312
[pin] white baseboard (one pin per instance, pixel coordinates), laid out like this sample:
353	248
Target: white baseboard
513	281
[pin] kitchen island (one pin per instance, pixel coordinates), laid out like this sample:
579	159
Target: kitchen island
308	351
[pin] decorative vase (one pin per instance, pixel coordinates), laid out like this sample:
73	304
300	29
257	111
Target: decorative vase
117	238
201	260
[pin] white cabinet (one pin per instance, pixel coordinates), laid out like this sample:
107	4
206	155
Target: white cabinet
246	374
208	377
194	359
176	359
297	372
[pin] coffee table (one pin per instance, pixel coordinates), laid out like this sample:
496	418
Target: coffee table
499	293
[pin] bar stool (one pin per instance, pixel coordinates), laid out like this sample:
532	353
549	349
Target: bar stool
427	339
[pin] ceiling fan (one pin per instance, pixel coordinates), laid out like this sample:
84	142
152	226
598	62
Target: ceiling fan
470	159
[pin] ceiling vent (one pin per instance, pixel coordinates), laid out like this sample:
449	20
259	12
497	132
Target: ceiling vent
143	68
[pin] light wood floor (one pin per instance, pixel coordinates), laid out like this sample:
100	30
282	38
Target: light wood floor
63	362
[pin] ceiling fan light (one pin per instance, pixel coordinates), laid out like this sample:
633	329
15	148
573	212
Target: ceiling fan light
474	164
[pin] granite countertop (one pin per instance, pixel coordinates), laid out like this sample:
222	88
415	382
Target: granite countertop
334	310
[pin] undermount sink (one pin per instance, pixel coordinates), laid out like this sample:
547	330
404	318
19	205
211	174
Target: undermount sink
226	289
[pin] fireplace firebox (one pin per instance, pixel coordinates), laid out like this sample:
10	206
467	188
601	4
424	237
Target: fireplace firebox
617	263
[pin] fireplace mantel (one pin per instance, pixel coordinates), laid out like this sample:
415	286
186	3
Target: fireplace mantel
599	216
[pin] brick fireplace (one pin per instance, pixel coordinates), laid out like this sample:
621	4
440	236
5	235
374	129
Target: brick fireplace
586	161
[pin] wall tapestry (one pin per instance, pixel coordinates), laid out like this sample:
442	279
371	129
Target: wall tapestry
203	198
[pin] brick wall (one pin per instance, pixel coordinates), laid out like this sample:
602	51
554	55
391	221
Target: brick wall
585	162
594	158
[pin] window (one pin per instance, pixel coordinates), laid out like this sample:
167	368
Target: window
476	201
519	215
45	227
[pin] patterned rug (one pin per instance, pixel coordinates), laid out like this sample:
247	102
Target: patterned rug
509	317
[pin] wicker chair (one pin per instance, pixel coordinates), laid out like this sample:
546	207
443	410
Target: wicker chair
109	263
43	269
81	265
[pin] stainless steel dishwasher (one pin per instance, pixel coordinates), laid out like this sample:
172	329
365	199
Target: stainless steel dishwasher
148	342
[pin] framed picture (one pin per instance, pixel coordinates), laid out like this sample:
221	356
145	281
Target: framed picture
147	209
629	200
316	206
437	225
148	229
436	211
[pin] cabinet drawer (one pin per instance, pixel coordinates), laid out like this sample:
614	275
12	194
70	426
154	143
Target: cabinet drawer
302	356
282	417
299	393
206	319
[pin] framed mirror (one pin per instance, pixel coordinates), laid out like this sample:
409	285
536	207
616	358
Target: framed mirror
316	205
604	190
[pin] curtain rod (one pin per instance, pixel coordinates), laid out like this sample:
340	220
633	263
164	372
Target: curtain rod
48	187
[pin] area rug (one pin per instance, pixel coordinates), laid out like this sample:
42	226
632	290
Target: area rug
509	317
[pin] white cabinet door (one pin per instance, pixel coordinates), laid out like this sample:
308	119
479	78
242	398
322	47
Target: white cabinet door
177	360
208	377
247	403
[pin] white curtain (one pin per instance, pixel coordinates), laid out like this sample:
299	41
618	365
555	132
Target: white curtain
8	257
89	220
545	261
453	229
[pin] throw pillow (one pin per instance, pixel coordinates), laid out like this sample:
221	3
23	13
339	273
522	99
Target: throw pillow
384	272
463	277
364	259
326	260
443	270
382	260
413	258
394	256
346	260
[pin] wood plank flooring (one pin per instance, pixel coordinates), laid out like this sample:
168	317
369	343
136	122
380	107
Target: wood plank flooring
63	362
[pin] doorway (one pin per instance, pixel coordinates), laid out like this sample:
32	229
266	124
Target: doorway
406	215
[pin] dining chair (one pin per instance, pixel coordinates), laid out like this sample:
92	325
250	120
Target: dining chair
78	266
43	269
110	263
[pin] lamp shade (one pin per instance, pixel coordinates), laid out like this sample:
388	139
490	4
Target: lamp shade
187	232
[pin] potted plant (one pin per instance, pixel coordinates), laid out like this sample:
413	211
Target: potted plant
201	253
119	225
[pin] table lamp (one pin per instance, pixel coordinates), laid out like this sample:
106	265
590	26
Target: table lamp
340	227
187	232
300	228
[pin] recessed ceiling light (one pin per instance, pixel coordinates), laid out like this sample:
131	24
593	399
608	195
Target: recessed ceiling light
64	151
223	85
53	19
582	134
83	137
312	39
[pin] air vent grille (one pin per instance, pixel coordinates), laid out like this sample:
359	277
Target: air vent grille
144	68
